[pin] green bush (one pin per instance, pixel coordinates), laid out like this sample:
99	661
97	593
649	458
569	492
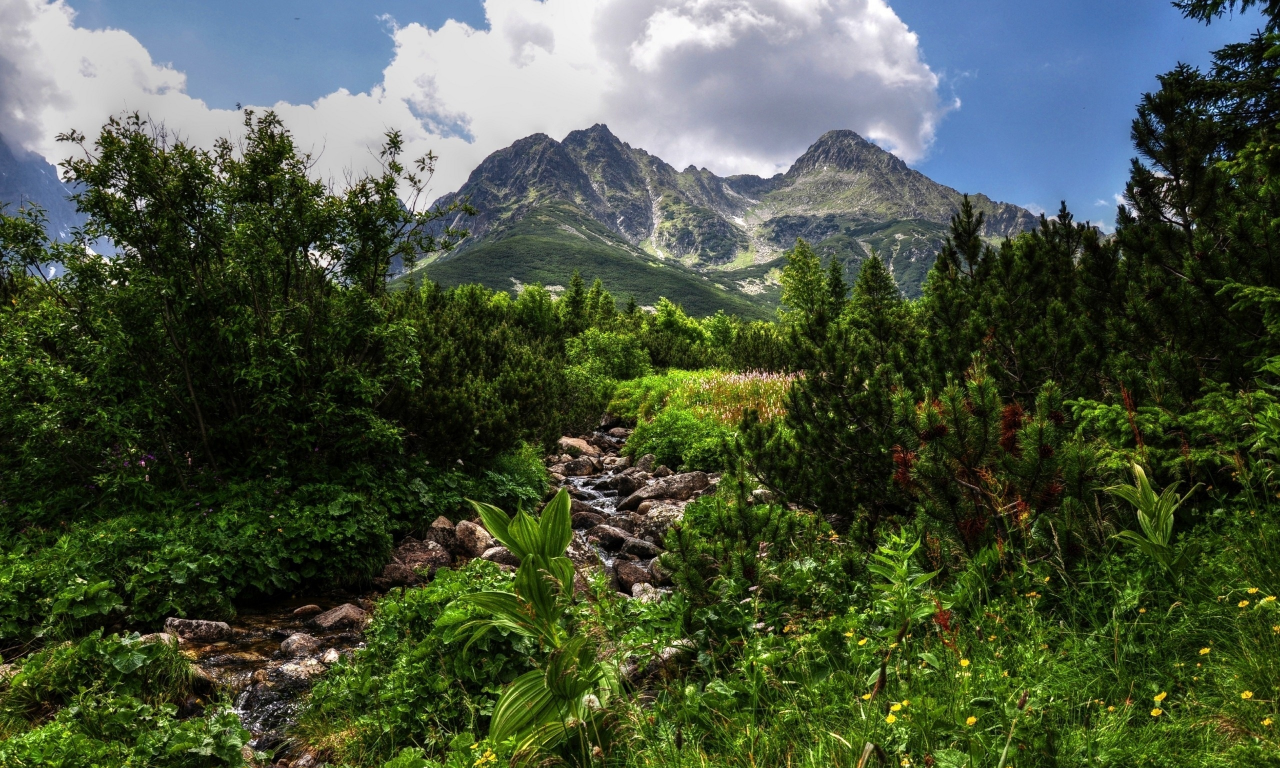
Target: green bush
680	440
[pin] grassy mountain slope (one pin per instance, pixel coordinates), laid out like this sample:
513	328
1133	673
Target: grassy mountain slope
551	242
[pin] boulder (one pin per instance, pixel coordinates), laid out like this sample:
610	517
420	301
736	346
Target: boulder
616	462
556	477
680	487
621	433
428	556
501	556
307	610
299	644
640	548
577	506
345	616
581	494
663	471
472	539
582	466
657	519
558	469
647	462
631	574
394	575
330	657
197	630
299	671
441	532
626	482
609	537
762	496
581	553
585	520
576	446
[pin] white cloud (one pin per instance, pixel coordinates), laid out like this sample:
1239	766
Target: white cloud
735	85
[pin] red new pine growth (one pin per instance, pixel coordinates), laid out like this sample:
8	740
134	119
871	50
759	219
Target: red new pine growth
1010	423
903	461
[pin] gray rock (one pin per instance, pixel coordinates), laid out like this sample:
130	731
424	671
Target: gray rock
646	462
679	487
395	575
330	657
299	644
646	593
298	671
584	520
626	482
577	506
581	553
159	637
583	466
345	616
617	462
441	532
663	471
473	540
631	574
621	433
762	496
640	548
197	630
576	446
657	519
428	556
307	610
501	556
609	537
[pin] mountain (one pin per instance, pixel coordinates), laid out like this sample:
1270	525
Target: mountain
594	203
26	178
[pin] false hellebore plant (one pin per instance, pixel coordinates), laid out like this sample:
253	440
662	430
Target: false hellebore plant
564	699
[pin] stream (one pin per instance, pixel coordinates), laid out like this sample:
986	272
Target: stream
268	682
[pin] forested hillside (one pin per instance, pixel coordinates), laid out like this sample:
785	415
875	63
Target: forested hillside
262	505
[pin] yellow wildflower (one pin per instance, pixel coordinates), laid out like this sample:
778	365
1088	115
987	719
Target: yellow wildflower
863	641
848	634
866	697
895	708
906	702
964	662
971	720
1203	651
1246	695
1157	712
1267	722
1142	610
1253	590
891	719
1111	708
1243	603
1159	697
1269	599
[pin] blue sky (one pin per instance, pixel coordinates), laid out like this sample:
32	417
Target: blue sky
1047	88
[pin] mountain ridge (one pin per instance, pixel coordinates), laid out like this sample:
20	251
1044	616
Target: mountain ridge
844	194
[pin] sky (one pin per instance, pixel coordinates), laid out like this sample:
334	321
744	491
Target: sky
1029	103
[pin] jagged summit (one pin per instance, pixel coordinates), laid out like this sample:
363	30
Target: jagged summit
844	194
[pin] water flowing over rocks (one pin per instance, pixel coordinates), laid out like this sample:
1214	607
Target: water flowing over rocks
621	511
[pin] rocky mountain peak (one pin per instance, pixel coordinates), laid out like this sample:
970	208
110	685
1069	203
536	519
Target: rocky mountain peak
845	150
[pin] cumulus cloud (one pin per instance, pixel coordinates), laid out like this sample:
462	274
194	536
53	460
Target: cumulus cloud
735	85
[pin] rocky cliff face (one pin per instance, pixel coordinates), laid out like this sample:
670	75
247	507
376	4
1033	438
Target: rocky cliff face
27	179
844	195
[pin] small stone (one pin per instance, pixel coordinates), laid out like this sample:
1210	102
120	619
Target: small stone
429	556
645	506
663	471
762	496
584	520
646	593
640	548
473	540
345	616
678	487
159	637
631	574
501	556
577	506
609	537
395	575
581	553
621	433
306	761
647	462
556	477
330	657
198	631
302	670
299	644
307	610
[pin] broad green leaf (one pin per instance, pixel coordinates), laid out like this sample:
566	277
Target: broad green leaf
524	704
556	526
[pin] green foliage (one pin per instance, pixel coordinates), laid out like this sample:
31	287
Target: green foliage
412	685
564	700
1155	516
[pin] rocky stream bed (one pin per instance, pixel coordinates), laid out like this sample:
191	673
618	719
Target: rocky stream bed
267	657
